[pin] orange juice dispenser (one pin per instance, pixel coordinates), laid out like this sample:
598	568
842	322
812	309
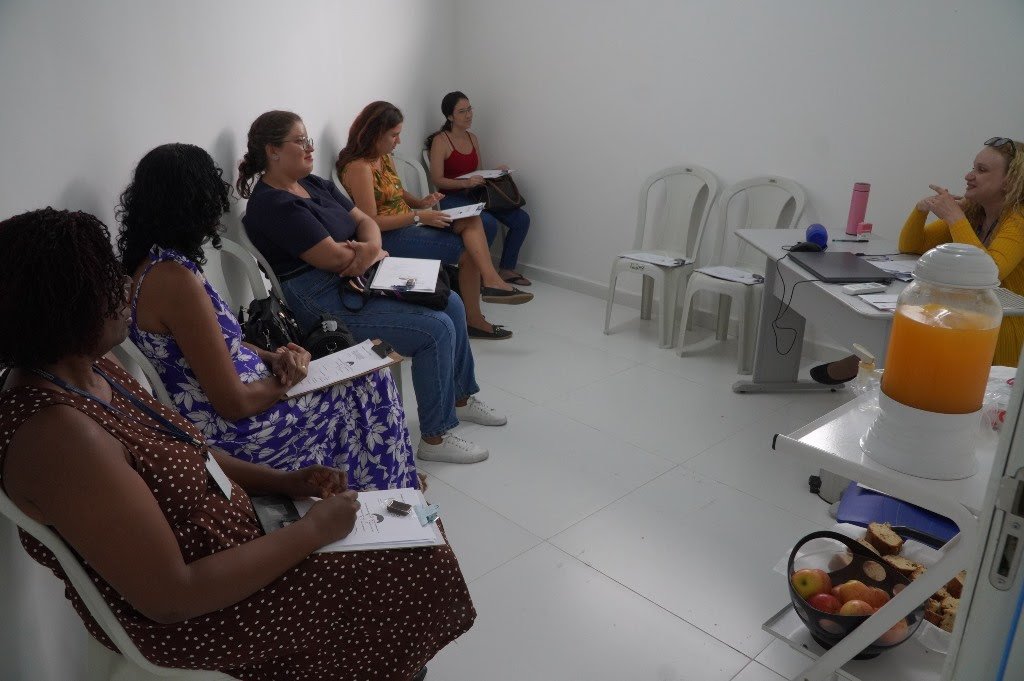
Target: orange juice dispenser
941	346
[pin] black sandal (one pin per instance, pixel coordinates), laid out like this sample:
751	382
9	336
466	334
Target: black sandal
500	295
517	280
497	332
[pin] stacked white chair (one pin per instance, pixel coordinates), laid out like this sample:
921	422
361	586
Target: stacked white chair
689	192
771	203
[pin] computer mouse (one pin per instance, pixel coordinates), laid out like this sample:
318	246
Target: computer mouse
805	247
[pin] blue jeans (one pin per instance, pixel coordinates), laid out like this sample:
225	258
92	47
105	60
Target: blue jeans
516	220
442	364
415	241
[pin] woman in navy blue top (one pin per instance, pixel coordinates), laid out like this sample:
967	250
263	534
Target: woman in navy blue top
310	234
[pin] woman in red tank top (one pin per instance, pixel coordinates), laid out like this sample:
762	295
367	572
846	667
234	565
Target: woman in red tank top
454	152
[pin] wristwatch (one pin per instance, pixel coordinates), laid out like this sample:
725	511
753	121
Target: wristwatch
415	218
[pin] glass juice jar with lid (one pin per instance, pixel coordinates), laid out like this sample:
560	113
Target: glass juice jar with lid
940	351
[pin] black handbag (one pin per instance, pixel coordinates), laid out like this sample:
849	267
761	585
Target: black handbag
355	291
499	193
268	324
328	335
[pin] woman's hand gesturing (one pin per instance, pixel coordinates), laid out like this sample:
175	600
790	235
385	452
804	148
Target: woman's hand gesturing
944	205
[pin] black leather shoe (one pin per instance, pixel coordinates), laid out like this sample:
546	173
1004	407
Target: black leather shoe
820	374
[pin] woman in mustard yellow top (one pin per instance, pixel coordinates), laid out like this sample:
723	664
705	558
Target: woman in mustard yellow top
410	227
989	215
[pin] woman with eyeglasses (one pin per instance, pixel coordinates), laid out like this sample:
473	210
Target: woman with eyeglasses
234	392
311	234
163	522
989	215
454	151
411	228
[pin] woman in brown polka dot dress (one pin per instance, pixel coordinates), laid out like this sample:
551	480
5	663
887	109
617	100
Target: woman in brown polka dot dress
127	483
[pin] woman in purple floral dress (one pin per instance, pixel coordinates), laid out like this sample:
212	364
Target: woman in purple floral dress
233	392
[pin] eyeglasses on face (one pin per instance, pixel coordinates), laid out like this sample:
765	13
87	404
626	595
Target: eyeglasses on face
304	142
1002	141
466	110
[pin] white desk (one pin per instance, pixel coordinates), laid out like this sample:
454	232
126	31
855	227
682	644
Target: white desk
780	337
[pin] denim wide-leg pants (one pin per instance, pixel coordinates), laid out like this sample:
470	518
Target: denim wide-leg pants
436	341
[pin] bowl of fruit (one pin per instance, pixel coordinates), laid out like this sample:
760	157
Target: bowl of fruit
835	587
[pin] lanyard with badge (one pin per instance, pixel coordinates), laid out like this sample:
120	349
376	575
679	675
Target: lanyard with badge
165	425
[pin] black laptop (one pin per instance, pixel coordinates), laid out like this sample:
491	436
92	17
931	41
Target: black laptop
840	268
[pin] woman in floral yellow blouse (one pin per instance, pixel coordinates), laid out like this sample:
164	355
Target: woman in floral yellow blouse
410	227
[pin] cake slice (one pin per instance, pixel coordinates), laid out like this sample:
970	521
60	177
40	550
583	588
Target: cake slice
881	536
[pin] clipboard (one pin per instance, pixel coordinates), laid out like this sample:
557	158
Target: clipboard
331	370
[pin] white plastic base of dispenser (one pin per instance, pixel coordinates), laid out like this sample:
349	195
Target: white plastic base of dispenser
923	443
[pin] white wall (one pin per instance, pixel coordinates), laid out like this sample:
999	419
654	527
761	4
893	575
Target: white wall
89	87
588	98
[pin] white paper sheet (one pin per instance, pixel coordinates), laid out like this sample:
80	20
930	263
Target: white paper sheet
340	366
469	211
655	259
486	174
881	301
396	273
732	274
375	528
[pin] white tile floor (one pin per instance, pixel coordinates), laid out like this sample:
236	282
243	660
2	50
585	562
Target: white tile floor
627	522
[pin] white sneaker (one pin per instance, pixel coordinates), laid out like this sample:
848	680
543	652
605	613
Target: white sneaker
452	449
477	412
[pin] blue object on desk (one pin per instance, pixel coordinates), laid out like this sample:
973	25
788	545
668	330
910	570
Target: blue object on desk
860	506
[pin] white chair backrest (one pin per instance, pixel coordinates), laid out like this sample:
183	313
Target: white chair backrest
90	594
244	252
678	221
426	167
414	180
771	203
128	354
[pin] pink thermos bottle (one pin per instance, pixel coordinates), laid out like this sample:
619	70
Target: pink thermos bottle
858	206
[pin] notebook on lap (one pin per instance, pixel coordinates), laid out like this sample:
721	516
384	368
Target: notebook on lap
840	268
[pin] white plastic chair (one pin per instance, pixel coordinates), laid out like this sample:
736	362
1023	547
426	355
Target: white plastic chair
244	252
413	177
426	166
689	192
129	354
767	199
102	664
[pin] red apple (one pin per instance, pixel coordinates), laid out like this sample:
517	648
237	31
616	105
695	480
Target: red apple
835	592
808	582
896	633
825	603
854	590
856	607
877	598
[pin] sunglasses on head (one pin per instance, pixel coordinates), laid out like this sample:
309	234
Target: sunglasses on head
1002	141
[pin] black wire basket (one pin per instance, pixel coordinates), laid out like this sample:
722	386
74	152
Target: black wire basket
859	563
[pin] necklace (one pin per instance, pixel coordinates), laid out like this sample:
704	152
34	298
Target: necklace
986	234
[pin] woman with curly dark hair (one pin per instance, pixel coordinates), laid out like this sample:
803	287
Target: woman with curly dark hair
310	233
132	488
232	391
